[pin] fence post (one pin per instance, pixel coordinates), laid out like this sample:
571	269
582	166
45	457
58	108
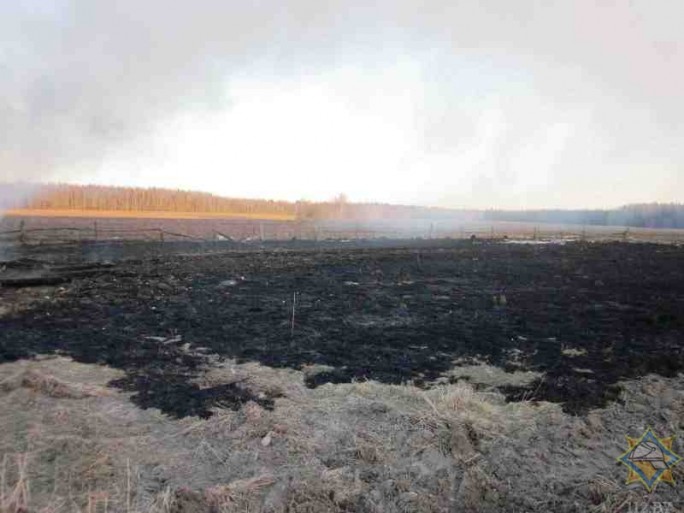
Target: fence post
22	232
161	235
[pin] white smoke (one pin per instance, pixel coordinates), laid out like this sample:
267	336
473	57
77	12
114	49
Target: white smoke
506	103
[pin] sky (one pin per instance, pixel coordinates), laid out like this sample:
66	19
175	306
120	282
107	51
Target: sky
478	104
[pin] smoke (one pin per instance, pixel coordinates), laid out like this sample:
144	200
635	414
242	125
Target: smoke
452	103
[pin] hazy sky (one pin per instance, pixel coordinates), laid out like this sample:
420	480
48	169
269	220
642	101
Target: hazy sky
437	102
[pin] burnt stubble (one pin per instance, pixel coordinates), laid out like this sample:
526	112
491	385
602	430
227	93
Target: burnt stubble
586	315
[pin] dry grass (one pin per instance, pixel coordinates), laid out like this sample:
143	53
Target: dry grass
51	386
15	493
572	352
68	444
484	375
239	495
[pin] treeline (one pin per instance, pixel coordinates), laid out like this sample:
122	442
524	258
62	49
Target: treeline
644	215
135	199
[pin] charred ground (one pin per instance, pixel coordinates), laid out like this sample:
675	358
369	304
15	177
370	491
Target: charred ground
586	315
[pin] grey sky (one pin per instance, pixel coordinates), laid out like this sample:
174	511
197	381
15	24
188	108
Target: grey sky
476	104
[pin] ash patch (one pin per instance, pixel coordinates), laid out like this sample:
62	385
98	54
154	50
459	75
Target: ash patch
179	398
576	314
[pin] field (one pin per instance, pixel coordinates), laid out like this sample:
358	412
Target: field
46	226
63	227
426	375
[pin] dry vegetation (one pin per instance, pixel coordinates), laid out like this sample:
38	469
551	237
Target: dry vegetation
141	214
69	443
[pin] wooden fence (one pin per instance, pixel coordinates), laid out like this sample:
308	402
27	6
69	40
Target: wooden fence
25	234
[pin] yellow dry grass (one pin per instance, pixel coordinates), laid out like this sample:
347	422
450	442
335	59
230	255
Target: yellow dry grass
69	444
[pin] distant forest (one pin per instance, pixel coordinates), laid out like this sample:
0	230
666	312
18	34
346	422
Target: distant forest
132	199
644	215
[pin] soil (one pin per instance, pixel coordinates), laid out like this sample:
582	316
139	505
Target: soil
585	315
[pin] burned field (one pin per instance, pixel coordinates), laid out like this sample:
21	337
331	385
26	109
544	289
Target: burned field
583	316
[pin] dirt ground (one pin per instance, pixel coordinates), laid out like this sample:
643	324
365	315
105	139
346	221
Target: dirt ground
453	377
